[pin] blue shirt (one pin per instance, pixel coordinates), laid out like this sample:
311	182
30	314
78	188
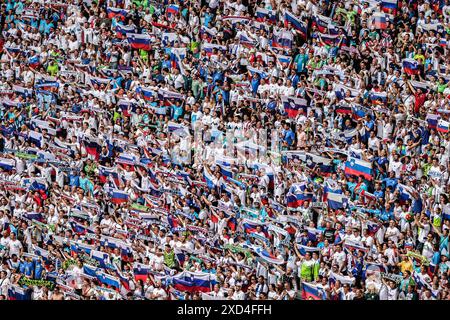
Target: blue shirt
302	60
74	180
255	85
38	270
417	205
29	268
390	182
289	136
177	111
22	267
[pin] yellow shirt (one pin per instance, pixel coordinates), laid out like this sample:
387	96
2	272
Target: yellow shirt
405	266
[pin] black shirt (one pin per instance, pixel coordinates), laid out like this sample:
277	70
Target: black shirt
329	234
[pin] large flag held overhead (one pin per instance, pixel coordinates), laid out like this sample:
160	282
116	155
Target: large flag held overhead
293	106
389	6
140	41
266	15
312	291
117	13
296	23
297	195
193	281
410	66
358	167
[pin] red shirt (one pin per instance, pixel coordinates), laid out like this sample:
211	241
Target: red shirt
419	101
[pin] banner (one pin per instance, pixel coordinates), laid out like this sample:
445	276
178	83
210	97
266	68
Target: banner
24	281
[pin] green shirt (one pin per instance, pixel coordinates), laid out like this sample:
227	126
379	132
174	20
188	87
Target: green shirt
307	270
441	87
53	69
169	259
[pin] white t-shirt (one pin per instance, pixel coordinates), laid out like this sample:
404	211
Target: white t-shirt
14	247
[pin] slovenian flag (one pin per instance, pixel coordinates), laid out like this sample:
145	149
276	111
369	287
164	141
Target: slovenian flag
123	30
78	228
210	180
172	9
296	23
420	280
90	270
146	94
313	233
375	267
139	41
99	81
172	221
36	138
101	257
141	271
116	13
341	90
379	98
177	55
358	167
284	59
18	293
207	33
180	255
250	226
109	280
263	15
7	164
92	147
359	111
292	106
105	172
246	41
127	158
126	106
237	19
379	21
312	292
34	216
124	281
261	73
209	47
329	39
283	40
36	185
321	22
344	109
372	227
297	195
410	66
82	247
443	126
269	257
193	281
34	61
389	6
297	200
336	201
405	192
226	171
432	120
118	196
